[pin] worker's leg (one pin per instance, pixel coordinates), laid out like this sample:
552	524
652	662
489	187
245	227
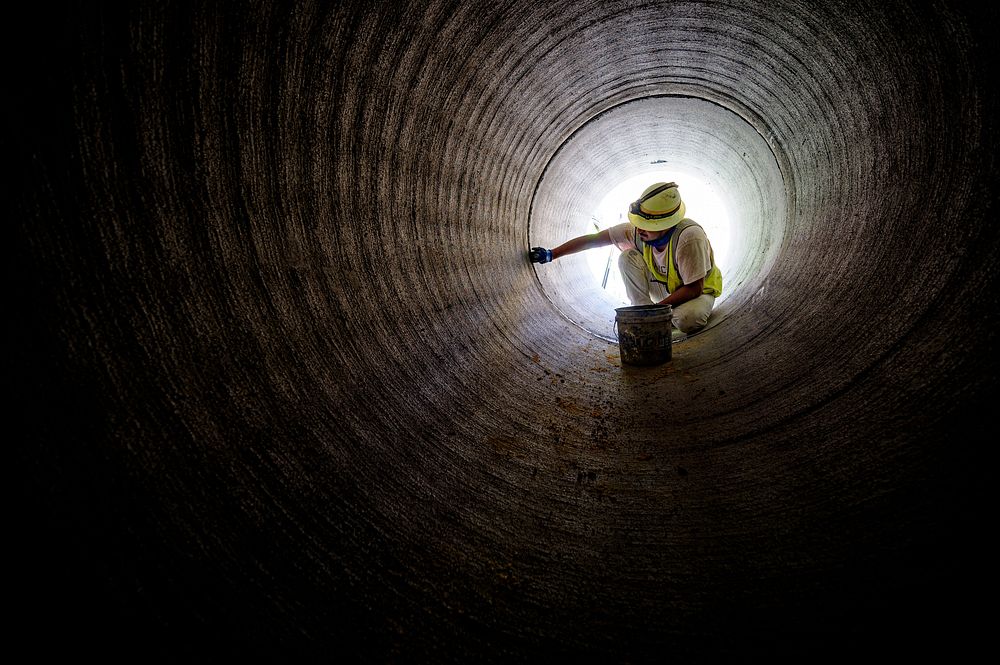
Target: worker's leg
693	315
688	317
638	286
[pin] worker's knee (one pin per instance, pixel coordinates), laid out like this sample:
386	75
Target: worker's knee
689	323
689	319
631	261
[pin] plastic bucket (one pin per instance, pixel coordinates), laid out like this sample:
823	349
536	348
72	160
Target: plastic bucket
644	334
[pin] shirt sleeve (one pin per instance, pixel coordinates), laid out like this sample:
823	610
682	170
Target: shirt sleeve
694	255
623	236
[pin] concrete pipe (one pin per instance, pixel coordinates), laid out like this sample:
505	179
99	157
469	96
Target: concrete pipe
288	385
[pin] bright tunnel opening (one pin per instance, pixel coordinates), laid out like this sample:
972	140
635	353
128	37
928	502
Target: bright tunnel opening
728	175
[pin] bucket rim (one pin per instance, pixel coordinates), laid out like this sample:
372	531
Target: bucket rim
644	308
644	313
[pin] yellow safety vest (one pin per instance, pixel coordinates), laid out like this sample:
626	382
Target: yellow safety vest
713	280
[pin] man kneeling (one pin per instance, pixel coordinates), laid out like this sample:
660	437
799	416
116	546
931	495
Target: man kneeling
666	258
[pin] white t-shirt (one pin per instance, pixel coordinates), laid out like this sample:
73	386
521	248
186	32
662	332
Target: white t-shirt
694	253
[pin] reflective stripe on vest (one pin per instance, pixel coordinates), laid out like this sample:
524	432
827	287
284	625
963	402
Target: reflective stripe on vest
713	280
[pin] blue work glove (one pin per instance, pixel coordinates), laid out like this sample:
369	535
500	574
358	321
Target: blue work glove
540	255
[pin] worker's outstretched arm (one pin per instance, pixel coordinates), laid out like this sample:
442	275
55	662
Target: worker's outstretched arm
579	244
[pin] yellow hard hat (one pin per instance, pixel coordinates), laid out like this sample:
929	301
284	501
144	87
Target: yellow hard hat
659	208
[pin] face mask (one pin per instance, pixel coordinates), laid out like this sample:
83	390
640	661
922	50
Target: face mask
660	242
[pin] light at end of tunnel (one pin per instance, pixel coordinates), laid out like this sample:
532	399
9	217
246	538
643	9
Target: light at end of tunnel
704	205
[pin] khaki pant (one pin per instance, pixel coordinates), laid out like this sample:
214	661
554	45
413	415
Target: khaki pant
642	289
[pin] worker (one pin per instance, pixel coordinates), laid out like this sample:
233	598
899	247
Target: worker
666	258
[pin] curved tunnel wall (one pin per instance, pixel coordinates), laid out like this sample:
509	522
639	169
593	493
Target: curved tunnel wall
292	384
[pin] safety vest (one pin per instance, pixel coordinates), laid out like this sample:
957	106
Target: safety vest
713	280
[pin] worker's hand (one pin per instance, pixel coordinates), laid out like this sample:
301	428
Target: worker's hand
540	255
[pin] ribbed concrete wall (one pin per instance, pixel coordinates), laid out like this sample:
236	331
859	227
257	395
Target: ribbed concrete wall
290	385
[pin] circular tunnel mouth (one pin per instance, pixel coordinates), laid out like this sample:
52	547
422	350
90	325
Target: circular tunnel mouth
673	134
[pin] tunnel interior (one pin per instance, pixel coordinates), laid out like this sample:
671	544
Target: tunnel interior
284	381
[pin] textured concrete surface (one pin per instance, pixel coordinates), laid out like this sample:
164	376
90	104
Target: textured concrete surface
284	383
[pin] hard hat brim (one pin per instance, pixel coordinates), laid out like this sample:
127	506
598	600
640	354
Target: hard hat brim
658	224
